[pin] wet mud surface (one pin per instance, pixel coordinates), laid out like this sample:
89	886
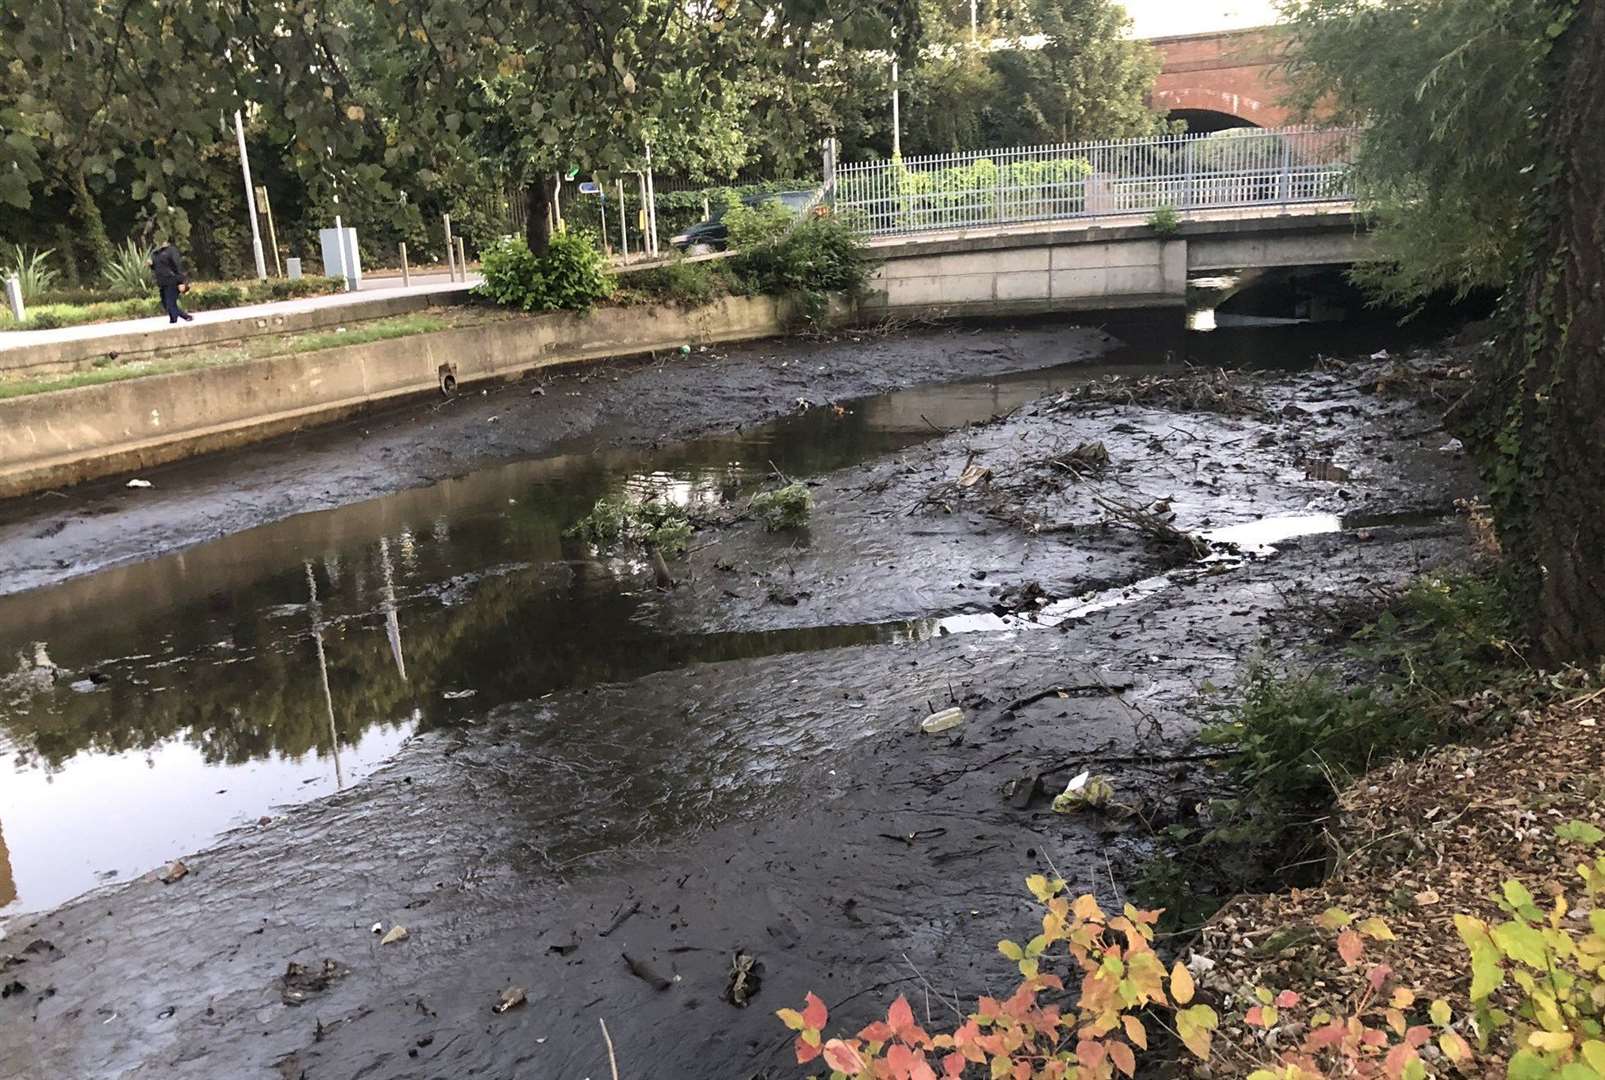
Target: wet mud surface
601	791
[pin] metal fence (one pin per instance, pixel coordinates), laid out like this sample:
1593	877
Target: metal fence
1242	167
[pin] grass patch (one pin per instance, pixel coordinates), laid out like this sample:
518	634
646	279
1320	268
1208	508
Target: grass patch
256	348
1440	662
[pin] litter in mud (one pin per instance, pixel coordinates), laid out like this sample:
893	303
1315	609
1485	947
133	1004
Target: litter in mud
646	974
1084	791
174	872
397	933
745	979
973	474
300	982
137	483
511	998
942	721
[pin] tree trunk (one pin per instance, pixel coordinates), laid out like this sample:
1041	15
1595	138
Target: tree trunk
91	227
1558	355
538	215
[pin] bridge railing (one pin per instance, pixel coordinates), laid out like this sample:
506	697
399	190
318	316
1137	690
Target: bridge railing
1239	168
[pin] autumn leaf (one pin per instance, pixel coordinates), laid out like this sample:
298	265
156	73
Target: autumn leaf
1135	1031
806	1051
792	1019
1334	919
843	1057
900	1018
1181	984
1440	1012
1402	998
1194	1025
1454	1047
814	1012
1552	1042
1010	950
1349	947
1124	1059
1286	999
1377	930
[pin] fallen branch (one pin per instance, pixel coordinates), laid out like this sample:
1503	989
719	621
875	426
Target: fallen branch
1065	691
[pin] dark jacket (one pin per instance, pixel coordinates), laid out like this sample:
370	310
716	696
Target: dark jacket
167	267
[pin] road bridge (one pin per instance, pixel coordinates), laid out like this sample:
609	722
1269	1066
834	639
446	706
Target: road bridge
1225	79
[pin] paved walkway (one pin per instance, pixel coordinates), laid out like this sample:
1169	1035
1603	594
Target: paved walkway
379	289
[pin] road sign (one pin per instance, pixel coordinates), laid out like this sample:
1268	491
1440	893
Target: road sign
590	187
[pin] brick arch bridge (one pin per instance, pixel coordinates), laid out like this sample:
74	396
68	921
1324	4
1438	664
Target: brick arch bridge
1225	79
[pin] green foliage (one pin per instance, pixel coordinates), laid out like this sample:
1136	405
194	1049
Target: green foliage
1165	221
32	270
820	256
680	281
653	523
754	226
783	508
572	275
1446	91
1296	737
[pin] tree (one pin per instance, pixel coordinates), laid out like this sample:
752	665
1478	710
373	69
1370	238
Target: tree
1481	162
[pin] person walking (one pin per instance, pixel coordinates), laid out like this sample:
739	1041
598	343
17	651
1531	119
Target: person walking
168	269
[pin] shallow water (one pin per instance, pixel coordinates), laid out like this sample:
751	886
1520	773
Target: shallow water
150	707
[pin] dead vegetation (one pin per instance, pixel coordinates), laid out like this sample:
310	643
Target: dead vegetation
1415	843
1215	390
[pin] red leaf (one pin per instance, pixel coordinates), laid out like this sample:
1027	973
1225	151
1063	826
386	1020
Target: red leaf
843	1057
900	1017
1378	975
1397	1059
953	1065
1123	1058
1419	1035
922	1069
1255	1017
1286	999
815	1014
1090	1053
1350	945
900	1058
1022	1070
879	1032
806	1051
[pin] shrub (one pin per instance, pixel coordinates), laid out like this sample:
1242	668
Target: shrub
32	268
787	508
571	275
213	296
653	524
129	269
1121	978
1164	221
753	226
821	255
685	282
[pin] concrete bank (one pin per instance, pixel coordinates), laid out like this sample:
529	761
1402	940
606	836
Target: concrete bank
56	439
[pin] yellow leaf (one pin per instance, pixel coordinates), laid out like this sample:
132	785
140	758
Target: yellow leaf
1181	984
1038	884
1377	930
1594	1054
1454	1047
1550	1041
1086	909
1440	1012
791	1018
1135	1031
1334	919
1402	998
1010	950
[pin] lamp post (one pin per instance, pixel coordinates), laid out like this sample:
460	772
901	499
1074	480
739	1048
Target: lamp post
250	198
897	125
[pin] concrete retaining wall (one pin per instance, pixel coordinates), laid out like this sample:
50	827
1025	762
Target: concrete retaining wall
1073	276
55	439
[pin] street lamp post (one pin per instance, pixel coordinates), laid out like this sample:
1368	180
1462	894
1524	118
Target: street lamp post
897	125
250	198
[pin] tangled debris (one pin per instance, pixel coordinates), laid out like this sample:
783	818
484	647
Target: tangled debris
1196	390
1415	843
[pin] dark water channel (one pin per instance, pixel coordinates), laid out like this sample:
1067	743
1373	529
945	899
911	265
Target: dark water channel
146	708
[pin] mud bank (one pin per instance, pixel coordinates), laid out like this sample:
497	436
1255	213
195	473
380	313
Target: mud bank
609	844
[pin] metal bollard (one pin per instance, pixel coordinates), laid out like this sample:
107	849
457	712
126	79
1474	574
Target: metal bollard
451	265
462	259
14	298
406	275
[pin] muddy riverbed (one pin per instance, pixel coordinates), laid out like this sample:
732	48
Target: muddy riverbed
431	709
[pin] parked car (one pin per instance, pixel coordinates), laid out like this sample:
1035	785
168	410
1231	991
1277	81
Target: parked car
713	235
